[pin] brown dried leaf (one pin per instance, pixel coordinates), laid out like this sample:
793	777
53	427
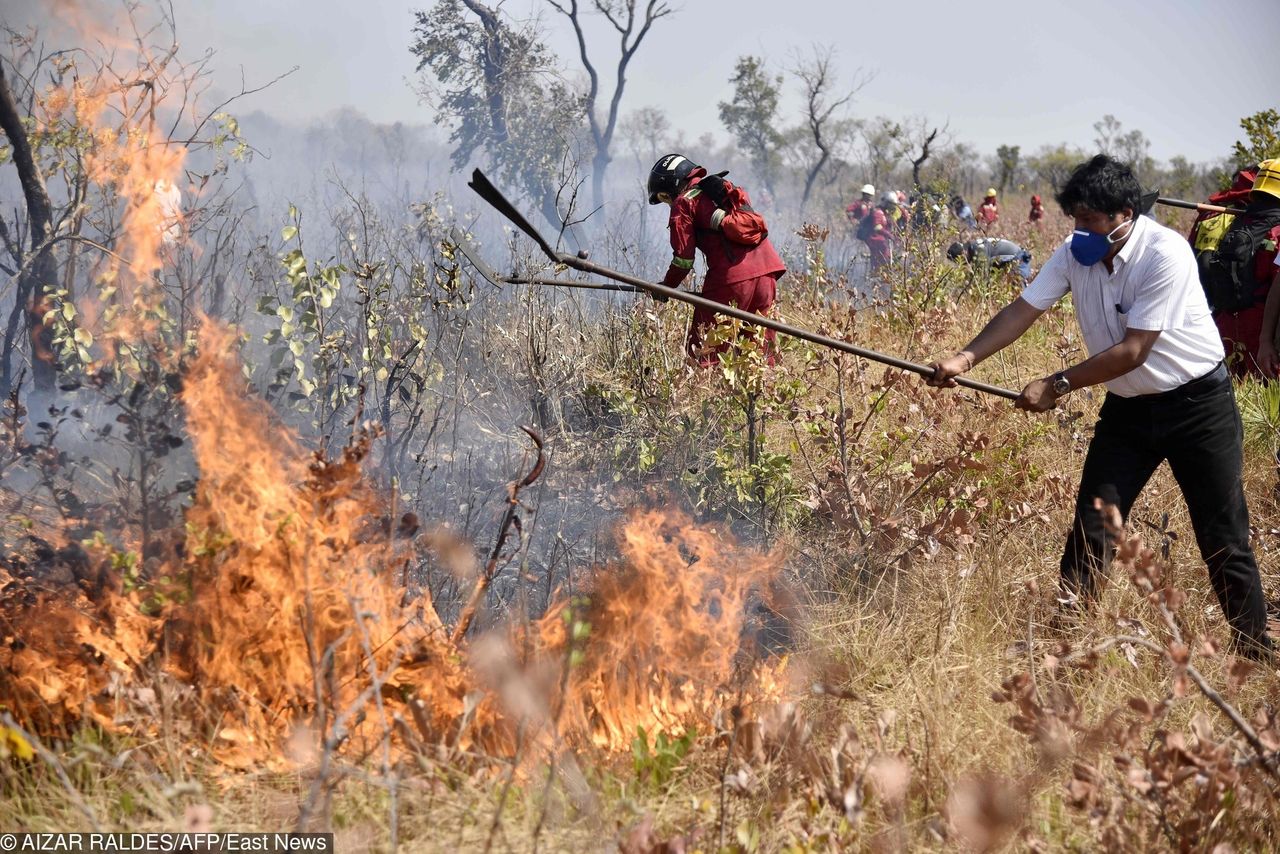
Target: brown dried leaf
986	809
889	776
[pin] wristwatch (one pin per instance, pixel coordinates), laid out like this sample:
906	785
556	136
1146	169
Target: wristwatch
1061	385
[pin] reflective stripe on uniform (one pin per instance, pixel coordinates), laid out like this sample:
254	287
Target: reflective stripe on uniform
682	263
718	217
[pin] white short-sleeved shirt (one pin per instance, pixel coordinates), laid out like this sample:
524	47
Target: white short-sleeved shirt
1155	287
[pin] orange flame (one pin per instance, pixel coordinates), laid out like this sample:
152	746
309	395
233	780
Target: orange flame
664	643
288	614
114	117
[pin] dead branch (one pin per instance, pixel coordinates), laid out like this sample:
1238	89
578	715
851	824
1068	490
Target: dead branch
817	77
509	518
621	14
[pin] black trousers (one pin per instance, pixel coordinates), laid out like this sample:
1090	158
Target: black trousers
1197	428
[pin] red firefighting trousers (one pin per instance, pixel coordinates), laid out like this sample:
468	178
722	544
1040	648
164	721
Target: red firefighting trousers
755	295
1240	331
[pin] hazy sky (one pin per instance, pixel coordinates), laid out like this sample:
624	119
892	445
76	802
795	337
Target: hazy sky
1001	72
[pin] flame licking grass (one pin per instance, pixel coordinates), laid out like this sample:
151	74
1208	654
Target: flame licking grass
660	639
285	612
294	596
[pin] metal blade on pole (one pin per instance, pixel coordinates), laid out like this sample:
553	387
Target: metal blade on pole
469	252
491	194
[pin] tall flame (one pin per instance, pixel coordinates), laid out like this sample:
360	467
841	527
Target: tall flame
287	611
666	630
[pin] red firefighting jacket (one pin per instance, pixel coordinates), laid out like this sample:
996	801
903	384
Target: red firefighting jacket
856	211
727	262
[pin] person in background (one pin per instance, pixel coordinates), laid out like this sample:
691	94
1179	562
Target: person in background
1036	216
989	211
963	213
987	252
745	276
1151	340
1235	255
887	222
928	210
857	210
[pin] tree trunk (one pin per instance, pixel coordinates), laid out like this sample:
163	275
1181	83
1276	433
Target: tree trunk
39	274
811	178
599	165
920	161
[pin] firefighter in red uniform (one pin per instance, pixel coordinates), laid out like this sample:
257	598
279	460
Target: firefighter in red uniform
1036	217
887	221
857	210
989	212
736	274
1242	326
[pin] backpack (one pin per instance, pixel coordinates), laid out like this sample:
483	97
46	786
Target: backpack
1227	265
866	226
733	217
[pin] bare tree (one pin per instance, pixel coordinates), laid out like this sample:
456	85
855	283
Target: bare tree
622	16
817	75
917	140
957	163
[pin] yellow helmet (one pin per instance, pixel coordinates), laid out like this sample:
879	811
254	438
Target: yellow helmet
1268	180
991	192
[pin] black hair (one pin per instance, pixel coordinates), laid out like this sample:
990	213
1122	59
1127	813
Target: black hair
1102	184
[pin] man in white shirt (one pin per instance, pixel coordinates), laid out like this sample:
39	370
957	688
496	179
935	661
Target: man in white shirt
1152	341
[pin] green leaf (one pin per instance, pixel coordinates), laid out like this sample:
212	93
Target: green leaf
83	337
288	233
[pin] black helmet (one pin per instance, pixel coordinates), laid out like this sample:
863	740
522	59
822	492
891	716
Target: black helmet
669	174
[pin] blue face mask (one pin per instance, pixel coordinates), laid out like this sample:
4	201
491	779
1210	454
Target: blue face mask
1089	248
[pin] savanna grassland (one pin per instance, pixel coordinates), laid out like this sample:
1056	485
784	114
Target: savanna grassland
868	656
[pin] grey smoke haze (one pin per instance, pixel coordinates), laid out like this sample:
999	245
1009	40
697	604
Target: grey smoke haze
1002	72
